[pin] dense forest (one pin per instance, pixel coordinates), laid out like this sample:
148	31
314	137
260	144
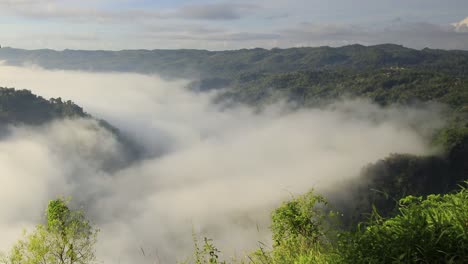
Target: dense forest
376	213
21	106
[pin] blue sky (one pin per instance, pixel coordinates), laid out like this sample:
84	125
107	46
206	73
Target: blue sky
218	25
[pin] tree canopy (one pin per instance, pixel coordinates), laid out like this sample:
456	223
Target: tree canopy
67	237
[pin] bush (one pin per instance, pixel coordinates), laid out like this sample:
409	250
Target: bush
431	230
302	228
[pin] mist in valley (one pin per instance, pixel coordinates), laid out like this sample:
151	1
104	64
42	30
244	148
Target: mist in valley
205	167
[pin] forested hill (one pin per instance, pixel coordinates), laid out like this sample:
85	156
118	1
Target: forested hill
385	73
21	107
24	107
232	64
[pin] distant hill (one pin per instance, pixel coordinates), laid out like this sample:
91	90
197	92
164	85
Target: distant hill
386	73
229	64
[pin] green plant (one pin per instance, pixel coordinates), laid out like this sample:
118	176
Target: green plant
302	228
66	238
208	253
431	230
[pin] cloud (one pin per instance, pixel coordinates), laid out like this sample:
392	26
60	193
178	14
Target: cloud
49	9
461	26
277	16
218	170
224	11
225	36
86	13
69	37
75	12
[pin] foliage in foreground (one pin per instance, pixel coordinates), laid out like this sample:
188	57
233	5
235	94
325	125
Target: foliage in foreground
304	231
66	238
431	230
426	230
208	253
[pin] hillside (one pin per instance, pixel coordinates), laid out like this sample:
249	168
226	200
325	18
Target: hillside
21	107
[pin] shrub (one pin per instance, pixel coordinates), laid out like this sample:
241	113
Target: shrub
431	230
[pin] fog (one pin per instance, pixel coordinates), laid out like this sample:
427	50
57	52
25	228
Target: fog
216	170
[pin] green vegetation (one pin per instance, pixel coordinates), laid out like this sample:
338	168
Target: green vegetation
383	183
430	230
304	231
66	238
21	106
425	230
234	63
206	254
385	73
383	85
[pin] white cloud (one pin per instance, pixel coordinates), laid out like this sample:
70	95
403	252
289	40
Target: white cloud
223	11
461	26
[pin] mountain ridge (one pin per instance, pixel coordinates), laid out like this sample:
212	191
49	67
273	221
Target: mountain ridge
187	63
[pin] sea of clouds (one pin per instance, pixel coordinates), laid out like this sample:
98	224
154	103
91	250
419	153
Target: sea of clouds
215	170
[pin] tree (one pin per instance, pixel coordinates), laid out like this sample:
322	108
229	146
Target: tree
66	238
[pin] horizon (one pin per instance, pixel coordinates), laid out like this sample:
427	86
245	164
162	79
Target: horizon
239	49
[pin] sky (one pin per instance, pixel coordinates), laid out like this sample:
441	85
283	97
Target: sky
221	25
